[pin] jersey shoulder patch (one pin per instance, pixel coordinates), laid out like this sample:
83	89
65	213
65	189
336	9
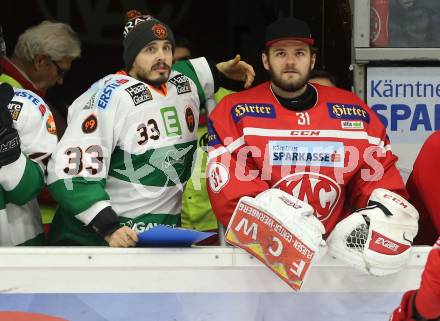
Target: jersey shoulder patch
138	92
181	82
26	102
27	96
108	87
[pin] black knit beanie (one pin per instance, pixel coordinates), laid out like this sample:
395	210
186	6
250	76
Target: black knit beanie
141	30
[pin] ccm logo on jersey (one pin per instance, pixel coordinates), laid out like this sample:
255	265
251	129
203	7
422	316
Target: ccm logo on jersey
252	110
182	84
15	109
348	112
305	133
139	93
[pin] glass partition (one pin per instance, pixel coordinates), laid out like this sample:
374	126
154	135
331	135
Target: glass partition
405	23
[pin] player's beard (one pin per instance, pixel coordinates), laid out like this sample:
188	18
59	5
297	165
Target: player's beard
289	85
158	81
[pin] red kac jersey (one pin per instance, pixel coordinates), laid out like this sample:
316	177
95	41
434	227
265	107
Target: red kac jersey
424	189
427	298
331	156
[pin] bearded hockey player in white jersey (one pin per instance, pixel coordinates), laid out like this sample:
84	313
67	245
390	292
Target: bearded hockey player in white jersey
27	138
320	144
128	149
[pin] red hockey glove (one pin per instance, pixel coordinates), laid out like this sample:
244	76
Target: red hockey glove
424	304
428	297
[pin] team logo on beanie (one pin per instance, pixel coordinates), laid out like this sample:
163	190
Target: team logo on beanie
140	31
160	31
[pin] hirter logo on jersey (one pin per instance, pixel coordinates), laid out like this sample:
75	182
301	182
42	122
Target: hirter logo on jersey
212	135
242	110
139	93
348	112
318	190
182	84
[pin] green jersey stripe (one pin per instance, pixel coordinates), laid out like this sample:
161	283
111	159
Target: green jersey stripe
166	166
2	199
38	240
29	186
78	194
186	68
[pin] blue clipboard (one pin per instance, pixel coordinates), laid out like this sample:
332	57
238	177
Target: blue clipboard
165	236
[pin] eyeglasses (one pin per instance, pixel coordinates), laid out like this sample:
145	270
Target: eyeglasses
60	71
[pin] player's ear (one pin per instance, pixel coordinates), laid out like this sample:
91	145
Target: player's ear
312	61
40	61
265	60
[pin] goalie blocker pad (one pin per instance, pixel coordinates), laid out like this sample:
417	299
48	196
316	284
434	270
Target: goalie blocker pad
376	239
280	231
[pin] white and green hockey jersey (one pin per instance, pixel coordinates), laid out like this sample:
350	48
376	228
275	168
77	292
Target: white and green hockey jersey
21	181
128	146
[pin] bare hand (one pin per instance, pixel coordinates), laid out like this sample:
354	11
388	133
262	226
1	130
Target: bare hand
122	237
236	69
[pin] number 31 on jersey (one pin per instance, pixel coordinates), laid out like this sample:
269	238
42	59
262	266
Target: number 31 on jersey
303	118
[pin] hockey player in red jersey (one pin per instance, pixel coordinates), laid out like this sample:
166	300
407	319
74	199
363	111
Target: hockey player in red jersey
424	189
423	304
323	145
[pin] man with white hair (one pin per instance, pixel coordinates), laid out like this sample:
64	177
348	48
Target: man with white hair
27	137
41	58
